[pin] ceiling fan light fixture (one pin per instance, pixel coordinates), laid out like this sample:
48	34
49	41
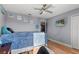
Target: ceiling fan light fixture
44	8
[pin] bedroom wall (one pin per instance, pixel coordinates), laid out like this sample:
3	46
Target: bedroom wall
20	25
61	34
1	22
2	17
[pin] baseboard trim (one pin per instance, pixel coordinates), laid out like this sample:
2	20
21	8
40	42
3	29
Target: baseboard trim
60	42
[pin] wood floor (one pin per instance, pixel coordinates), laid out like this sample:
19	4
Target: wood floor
56	48
61	49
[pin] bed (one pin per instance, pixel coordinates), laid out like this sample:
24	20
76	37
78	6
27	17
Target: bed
22	41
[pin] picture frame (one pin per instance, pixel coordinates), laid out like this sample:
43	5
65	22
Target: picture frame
60	23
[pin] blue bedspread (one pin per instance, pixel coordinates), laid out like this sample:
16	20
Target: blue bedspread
19	39
22	40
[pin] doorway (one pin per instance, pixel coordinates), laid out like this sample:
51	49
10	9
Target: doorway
43	26
75	32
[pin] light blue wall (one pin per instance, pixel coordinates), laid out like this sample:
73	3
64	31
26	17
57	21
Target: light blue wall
61	34
20	26
2	17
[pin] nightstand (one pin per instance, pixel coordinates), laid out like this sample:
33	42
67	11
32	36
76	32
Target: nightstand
5	48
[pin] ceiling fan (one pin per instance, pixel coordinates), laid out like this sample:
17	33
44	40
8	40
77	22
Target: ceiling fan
44	8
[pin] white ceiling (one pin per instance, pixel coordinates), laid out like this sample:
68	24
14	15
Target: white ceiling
29	8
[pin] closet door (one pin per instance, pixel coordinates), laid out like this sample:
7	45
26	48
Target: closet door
75	32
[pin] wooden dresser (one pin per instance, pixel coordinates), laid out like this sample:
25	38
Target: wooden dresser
5	48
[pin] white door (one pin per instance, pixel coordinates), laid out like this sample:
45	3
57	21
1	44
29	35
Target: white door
75	32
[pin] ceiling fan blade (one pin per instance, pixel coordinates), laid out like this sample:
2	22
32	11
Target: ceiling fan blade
37	8
41	12
44	5
48	11
48	6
